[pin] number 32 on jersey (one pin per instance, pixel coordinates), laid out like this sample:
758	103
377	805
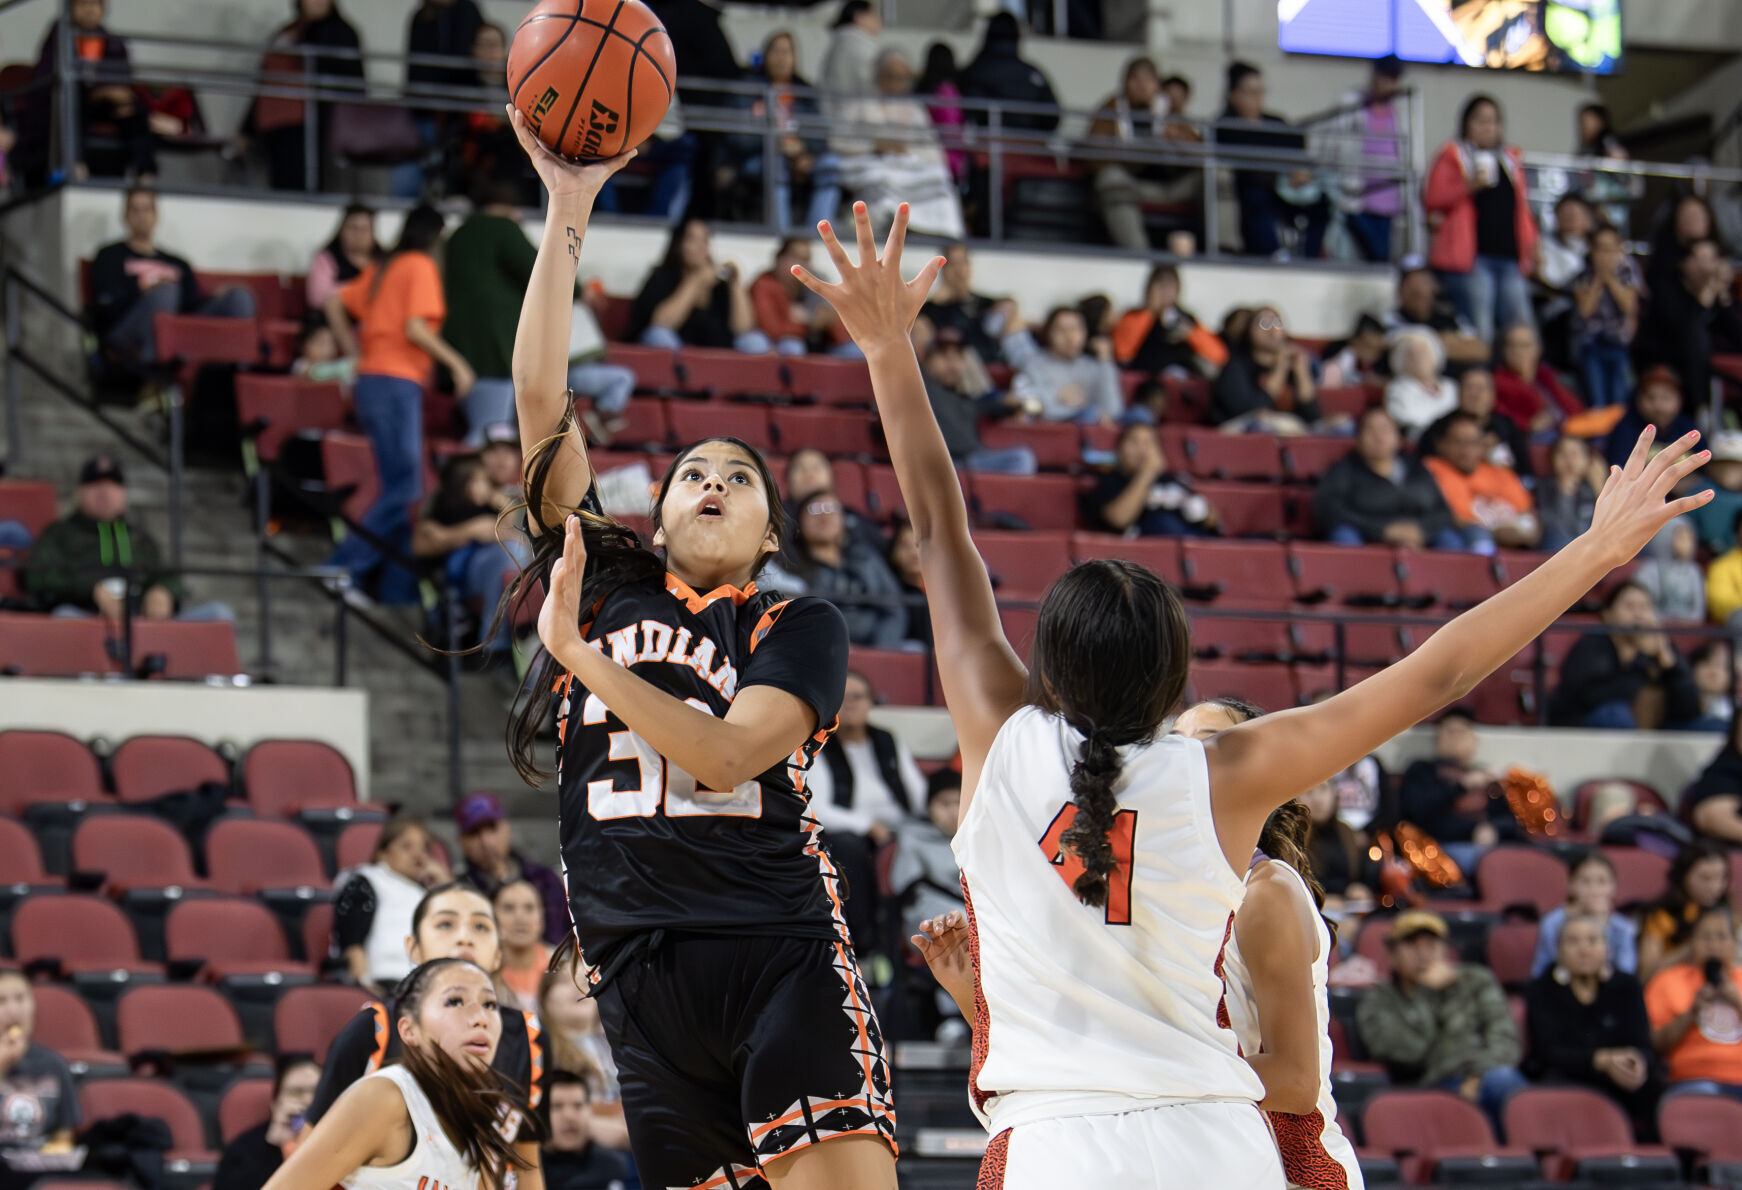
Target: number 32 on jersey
660	780
1123	837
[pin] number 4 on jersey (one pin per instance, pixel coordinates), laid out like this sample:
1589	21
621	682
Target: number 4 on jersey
1123	837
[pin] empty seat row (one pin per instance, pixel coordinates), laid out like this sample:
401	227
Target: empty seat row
40	646
222	937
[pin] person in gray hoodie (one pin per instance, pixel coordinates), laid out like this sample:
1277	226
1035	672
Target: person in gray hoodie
924	875
1059	377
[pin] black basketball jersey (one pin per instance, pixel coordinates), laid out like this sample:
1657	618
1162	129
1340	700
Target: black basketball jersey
643	848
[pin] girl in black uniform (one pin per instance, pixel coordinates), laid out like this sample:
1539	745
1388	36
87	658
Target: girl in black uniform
707	912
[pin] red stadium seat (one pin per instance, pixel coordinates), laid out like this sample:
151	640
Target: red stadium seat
356	845
1314	680
1215	455
149	766
176	1019
645	425
191	651
882	493
694	421
900	678
347	462
655	368
1509	876
1244	573
614	313
832	431
1640	876
1268	686
66	1025
34	646
1431	1128
1515	564
849	485
1039	501
1023	565
317	933
282	340
32	503
108	1098
1511	947
284	405
1581	1129
722	372
1056	447
1709	1126
134	851
1647	799
84	933
1247	509
1241	638
1160	554
1307	458
246	855
829	381
200	339
46	765
1450	580
1342	576
282	777
247	1103
1018	624
1350	401
21	858
267	288
308	1018
231	936
1370	941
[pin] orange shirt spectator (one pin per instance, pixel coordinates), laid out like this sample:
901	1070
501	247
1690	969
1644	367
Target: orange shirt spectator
410	288
1711	1046
774	313
1476	496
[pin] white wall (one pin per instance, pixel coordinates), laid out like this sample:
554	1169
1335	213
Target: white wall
211	714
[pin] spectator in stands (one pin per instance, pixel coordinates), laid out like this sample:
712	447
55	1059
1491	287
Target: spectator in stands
903	558
1267	385
352	249
1337	851
1438	1022
938	82
1504	443
486	266
1696	1010
251	1159
1376	494
1419	392
1486	238
1596	138
1456	800
1656	402
1356	360
133	281
1713	803
850	66
1672	577
1526	389
793	324
1689	318
831	562
986	324
925	878
318	359
1142	498
998	72
1587	1023
492	861
398	306
808	469
1162	337
439	28
1369	132
465	533
1139	115
1605	319
1713	679
570	1157
1565	249
1566	498
373	907
689	300
1419	304
1488	502
890	154
525	957
1677	226
1633	679
577	1045
42	1106
107	108
279	120
804	162
1591	889
1271	201
1698	880
1715	520
958	414
500	455
98	561
1068	382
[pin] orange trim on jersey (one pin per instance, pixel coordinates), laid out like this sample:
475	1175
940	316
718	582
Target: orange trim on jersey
766	622
535	1052
859	1013
696	603
982	1023
993	1164
765	1128
378	1011
809	1141
1305	1160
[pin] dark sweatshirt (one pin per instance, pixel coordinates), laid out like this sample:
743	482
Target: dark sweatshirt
1566	1034
1434	798
1352	493
75	553
1593	675
115	282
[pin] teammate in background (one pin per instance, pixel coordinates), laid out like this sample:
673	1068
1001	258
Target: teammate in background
1276	970
432	1119
707	912
453	921
1103	861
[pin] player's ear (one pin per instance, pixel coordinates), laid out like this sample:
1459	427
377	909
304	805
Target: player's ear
771	543
408	1031
413	951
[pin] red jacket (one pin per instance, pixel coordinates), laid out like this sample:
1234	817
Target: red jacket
1446	195
1521	400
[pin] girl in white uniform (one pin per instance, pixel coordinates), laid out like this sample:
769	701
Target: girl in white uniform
431	1122
1103	862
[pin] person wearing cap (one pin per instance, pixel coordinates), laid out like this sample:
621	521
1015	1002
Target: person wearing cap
1367	134
1438	1022
1715	521
958	413
84	563
1657	402
487	842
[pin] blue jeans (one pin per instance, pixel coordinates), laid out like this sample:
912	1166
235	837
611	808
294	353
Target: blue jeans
825	188
609	385
1466	855
750	342
1607	374
405	180
134	334
490	403
391	411
1492	296
1262	215
1446	539
671	184
1498	1085
1002	460
480	571
1372	235
1616	714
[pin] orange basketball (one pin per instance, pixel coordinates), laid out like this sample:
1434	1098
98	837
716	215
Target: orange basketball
593	77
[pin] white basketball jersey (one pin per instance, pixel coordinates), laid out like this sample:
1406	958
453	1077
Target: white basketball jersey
1082	1010
1315	1153
433	1164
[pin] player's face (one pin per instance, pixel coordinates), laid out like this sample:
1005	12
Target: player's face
519	916
459	1015
459	924
1583	950
17	1005
714	520
1592	888
569	1120
1204	720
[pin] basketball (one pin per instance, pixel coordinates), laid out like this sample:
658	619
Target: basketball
592	77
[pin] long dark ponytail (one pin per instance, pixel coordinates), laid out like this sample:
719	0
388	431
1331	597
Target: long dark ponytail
1110	655
469	1100
616	558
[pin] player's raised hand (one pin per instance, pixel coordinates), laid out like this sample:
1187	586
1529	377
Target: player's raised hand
559	620
1633	505
562	177
875	304
943	941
